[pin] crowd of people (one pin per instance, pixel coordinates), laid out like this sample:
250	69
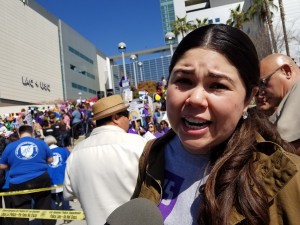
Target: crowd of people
44	138
64	122
35	145
213	160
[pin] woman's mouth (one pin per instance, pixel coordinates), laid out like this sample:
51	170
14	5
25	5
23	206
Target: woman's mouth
195	124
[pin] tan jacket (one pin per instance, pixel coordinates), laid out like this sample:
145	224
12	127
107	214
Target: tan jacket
279	170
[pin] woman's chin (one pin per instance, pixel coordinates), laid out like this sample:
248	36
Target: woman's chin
196	146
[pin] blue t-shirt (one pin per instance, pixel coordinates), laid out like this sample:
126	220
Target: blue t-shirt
183	176
27	159
56	169
6	184
76	116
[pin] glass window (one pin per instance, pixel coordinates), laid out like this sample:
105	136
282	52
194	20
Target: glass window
80	55
72	67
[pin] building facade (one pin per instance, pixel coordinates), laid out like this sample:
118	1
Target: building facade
79	64
29	57
167	16
216	11
43	60
150	69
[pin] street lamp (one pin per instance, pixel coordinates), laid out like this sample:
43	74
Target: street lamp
140	64
122	49
79	93
134	58
170	36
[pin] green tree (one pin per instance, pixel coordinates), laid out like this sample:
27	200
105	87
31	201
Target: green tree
237	17
182	26
263	9
285	36
201	23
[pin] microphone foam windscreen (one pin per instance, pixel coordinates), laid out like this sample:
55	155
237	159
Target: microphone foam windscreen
139	211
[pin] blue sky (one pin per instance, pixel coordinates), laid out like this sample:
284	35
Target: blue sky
105	23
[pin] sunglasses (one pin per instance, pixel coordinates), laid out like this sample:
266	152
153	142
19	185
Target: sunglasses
264	82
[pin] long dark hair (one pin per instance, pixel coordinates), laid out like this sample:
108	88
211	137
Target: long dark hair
232	181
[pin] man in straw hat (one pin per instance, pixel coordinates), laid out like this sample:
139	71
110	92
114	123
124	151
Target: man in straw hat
102	170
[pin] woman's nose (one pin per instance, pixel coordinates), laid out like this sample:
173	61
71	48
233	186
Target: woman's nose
197	97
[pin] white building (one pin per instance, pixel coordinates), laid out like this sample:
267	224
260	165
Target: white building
42	59
215	11
29	56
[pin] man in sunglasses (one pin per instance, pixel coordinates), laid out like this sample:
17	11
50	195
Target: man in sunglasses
102	170
279	93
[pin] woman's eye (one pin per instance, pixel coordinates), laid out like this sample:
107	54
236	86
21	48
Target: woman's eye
183	81
218	86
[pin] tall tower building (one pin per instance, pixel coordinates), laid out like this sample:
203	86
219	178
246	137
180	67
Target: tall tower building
167	15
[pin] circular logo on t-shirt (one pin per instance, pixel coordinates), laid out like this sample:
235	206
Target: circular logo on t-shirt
26	150
57	160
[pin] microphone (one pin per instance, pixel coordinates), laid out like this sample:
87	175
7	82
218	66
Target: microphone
136	212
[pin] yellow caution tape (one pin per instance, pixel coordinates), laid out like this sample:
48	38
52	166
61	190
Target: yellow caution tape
43	214
28	191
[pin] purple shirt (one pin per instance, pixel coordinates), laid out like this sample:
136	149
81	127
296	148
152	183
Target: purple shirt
132	131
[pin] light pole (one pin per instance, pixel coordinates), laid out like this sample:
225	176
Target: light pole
134	58
122	49
79	93
140	64
170	36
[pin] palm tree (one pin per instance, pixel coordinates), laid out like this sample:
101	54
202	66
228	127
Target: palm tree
262	8
237	17
201	23
181	26
282	15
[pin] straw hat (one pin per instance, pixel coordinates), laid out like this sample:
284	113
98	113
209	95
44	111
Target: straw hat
108	106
